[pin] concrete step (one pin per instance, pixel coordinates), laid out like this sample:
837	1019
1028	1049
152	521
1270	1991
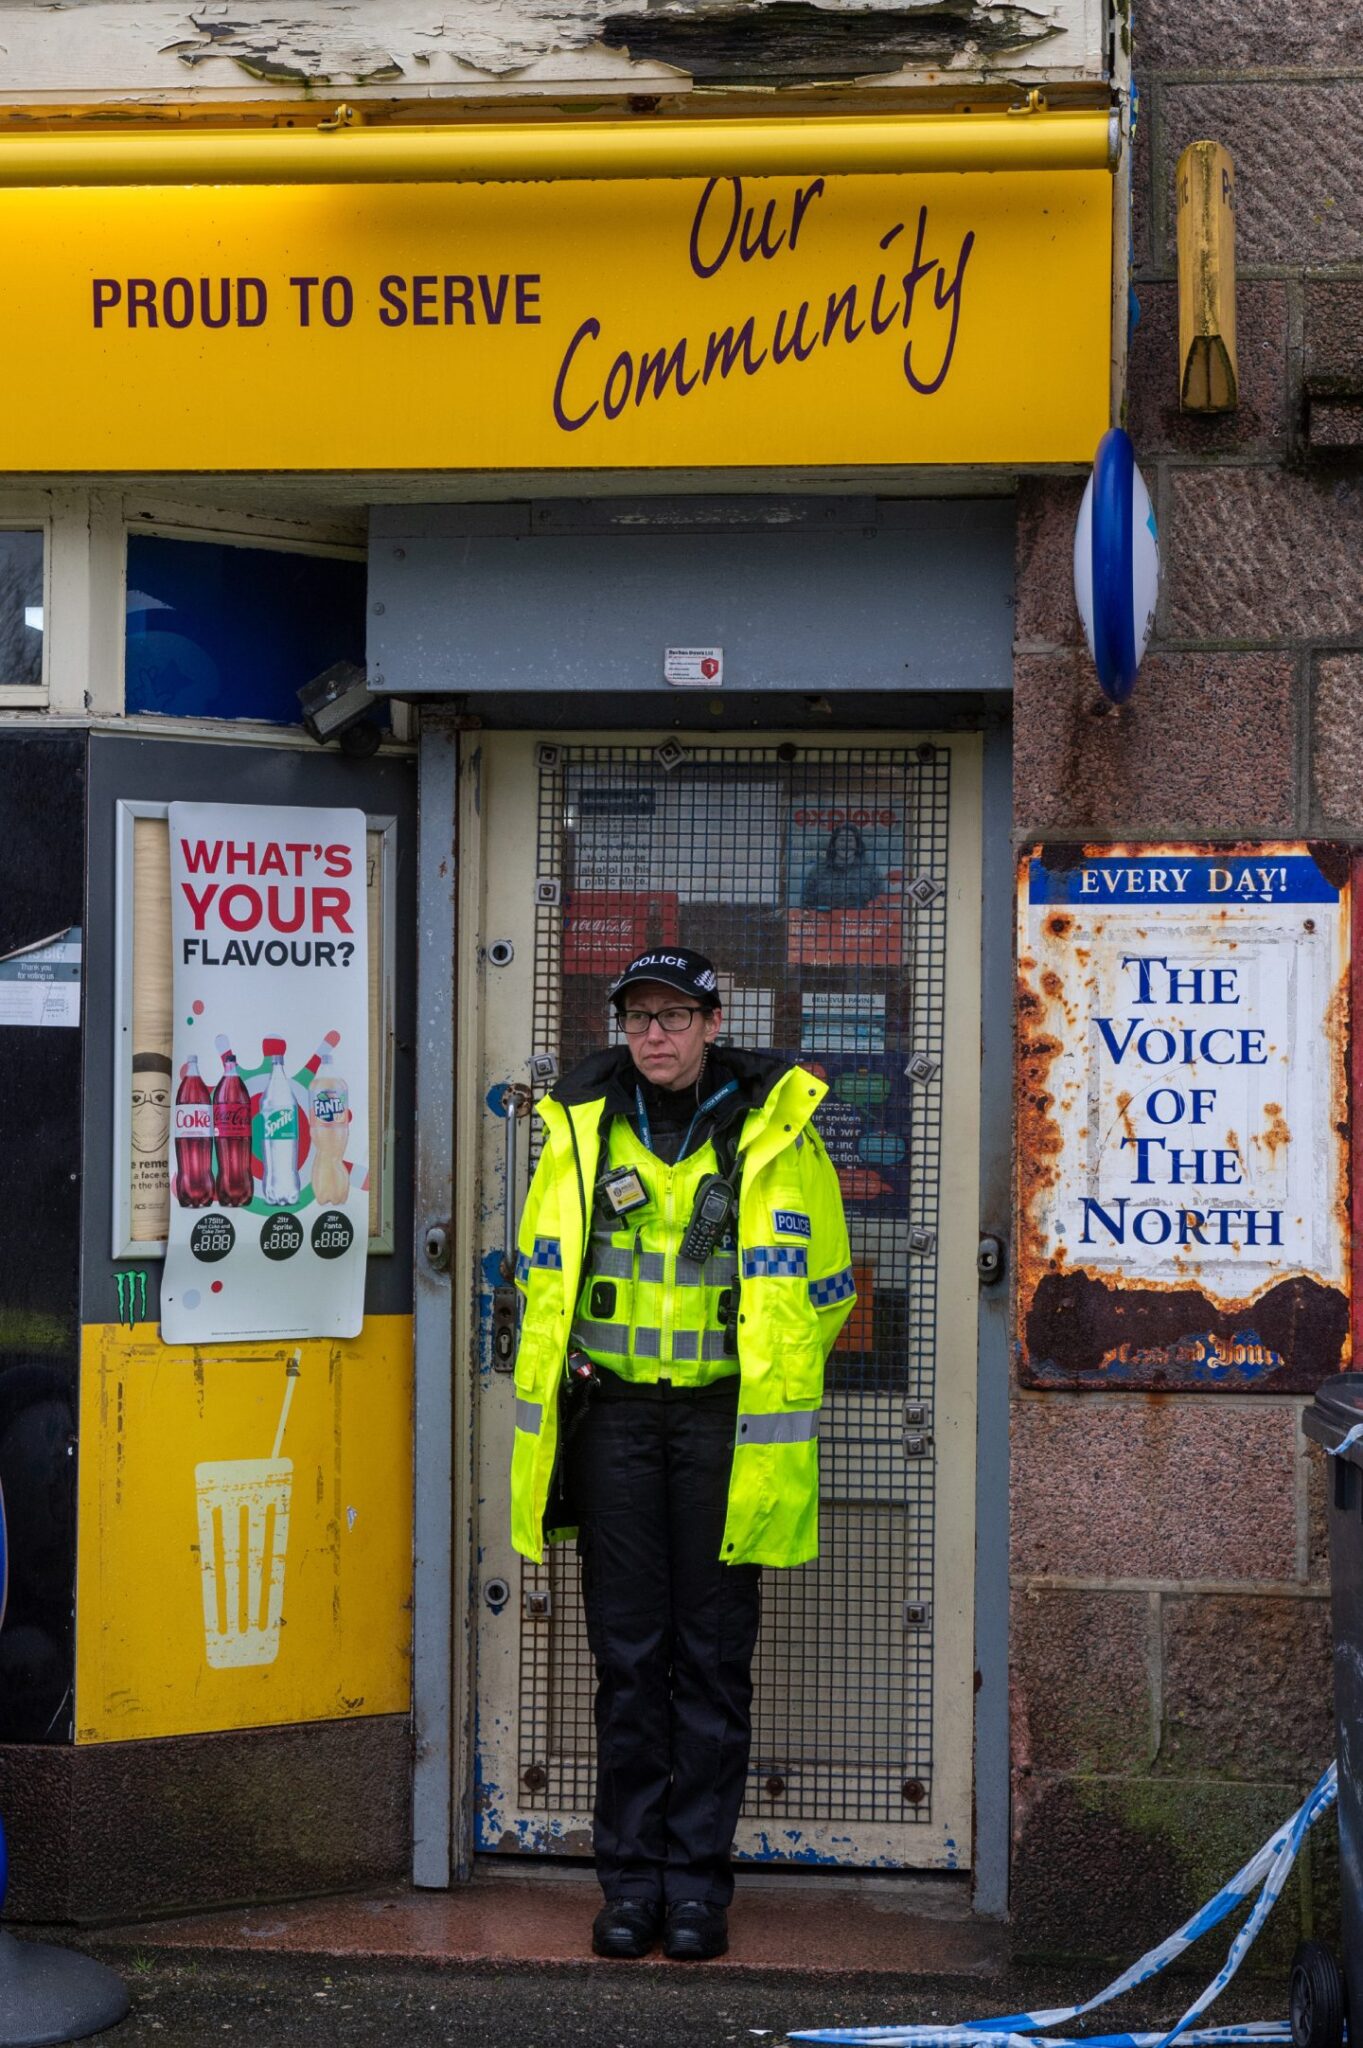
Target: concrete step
804	1925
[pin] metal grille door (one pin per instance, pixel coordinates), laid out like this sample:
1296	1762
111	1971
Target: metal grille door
820	879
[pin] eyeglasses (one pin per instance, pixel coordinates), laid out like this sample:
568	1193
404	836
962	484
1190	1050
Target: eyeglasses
636	1022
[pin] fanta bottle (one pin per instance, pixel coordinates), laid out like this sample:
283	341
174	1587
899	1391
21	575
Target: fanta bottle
329	1112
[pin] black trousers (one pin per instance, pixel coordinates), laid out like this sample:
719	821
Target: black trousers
672	1633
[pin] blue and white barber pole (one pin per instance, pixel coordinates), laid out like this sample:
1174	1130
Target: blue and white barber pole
47	1993
1116	565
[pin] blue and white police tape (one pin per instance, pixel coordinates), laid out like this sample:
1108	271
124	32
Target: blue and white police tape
1267	1871
1346	1443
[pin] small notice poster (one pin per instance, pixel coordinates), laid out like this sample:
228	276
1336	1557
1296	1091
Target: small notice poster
269	1174
845	863
602	928
694	668
40	984
863	1121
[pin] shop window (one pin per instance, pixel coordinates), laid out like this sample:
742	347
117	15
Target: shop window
217	630
141	1191
21	612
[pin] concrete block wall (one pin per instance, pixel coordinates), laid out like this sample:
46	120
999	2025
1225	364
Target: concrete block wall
1171	1658
1171	1662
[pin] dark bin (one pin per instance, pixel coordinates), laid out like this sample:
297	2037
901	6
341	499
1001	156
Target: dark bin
1320	1996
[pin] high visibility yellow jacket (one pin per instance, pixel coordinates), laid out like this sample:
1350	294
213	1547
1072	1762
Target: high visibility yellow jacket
646	1312
794	1272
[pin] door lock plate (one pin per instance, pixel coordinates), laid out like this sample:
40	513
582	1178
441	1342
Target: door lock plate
505	1314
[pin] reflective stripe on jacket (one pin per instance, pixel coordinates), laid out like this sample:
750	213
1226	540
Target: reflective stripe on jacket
797	1292
644	1311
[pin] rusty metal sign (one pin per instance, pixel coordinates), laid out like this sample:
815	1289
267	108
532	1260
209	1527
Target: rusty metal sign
1183	1116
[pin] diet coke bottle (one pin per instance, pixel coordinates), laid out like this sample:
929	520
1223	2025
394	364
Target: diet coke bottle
192	1123
232	1131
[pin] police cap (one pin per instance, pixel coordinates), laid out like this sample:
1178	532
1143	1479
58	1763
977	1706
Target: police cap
676	967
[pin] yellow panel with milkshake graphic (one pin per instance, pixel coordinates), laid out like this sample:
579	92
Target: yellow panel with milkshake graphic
245	1550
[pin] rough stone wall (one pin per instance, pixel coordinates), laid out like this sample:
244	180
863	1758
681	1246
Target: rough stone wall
1171	1626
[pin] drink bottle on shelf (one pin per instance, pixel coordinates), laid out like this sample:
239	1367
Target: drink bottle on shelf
232	1134
279	1117
329	1114
192	1124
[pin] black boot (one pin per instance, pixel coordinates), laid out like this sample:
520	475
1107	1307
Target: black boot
626	1927
694	1932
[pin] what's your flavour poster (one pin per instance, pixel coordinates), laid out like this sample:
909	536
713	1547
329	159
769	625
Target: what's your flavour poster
269	1168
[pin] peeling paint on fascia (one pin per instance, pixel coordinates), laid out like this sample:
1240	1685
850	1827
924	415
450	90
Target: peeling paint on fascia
1018	18
140	45
492	40
825	41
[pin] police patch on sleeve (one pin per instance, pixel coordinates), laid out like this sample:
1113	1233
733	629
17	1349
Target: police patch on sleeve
790	1223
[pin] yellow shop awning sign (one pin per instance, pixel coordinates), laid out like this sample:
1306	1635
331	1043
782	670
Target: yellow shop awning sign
940	318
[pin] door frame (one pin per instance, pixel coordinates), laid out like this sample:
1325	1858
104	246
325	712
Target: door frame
992	1394
442	1407
444	1561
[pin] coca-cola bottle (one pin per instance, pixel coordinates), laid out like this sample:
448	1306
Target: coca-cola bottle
232	1134
192	1124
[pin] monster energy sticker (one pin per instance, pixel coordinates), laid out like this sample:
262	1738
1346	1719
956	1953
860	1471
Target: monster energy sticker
132	1297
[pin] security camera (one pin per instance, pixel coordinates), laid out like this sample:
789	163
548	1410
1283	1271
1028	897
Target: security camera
339	705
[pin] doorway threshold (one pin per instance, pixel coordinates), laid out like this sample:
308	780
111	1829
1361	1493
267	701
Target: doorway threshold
790	1923
936	1894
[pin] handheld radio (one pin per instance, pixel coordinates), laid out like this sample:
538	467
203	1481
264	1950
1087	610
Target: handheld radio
714	1205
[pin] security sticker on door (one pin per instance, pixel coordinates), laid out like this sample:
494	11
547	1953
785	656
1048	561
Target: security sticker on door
694	668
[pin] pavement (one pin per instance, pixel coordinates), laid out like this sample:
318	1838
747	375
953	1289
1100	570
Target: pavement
505	1960
182	2000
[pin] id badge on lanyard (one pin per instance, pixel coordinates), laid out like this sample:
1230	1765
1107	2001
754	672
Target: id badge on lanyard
620	1192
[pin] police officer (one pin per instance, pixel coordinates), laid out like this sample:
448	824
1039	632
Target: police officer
684	1261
